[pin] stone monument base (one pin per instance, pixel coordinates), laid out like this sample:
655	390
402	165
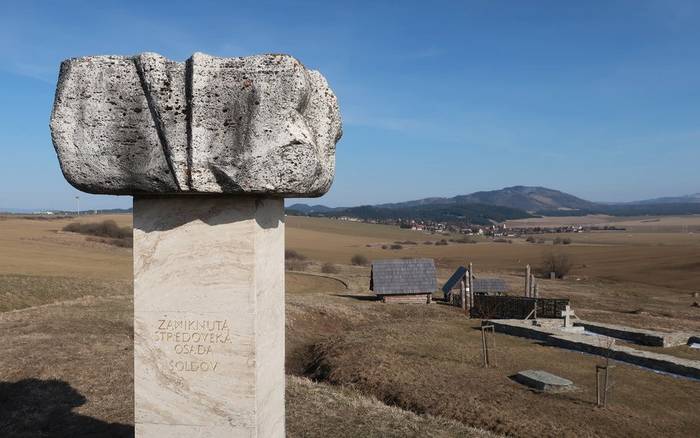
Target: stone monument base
209	316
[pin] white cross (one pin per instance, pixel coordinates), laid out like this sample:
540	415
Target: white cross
567	313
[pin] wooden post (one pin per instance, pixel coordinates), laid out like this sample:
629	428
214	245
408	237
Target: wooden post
488	352
602	384
527	281
470	275
605	388
597	386
463	294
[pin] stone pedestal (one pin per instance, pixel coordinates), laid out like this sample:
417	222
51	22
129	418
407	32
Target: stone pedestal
208	147
209	316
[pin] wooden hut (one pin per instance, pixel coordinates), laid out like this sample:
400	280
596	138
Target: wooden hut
403	280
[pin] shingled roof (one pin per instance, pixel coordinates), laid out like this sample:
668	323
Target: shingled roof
456	277
403	276
490	286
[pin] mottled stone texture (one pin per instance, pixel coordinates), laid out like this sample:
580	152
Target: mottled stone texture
147	125
209	316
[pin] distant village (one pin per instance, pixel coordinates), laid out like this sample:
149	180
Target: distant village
494	230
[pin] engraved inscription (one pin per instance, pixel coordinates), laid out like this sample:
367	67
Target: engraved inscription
195	341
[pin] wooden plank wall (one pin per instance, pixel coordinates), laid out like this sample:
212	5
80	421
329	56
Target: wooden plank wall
407	299
507	307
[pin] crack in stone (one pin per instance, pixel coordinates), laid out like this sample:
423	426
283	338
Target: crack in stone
157	121
189	67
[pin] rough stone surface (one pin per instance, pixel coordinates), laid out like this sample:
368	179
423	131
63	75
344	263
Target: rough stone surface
146	125
209	316
543	381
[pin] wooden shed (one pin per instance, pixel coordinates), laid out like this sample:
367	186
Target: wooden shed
482	286
403	280
490	286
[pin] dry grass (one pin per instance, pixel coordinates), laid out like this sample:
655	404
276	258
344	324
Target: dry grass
314	409
660	259
39	247
22	291
68	370
71	375
68	364
671	224
432	365
329	268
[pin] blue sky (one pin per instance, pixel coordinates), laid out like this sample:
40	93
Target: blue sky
597	98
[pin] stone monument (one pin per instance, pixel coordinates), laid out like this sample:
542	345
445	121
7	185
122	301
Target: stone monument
567	313
208	148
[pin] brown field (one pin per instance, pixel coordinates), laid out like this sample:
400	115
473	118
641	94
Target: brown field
376	370
638	224
658	259
39	247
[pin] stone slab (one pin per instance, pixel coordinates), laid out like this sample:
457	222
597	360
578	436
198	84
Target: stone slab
543	381
209	316
573	329
654	338
144	124
599	345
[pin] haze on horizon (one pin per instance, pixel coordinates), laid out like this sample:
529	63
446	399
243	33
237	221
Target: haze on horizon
596	99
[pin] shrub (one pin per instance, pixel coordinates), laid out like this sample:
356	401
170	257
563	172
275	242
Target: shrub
396	246
441	242
463	240
107	232
290	254
359	260
502	240
530	239
329	268
121	243
106	228
385	246
559	263
405	242
428	242
296	264
560	241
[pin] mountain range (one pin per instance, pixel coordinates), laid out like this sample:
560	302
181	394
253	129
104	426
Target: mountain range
515	202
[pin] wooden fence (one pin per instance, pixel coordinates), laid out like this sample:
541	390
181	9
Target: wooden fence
506	307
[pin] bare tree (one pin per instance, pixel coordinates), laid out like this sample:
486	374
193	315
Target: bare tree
557	262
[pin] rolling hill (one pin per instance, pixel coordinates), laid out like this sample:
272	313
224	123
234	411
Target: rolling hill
687	199
526	198
517	202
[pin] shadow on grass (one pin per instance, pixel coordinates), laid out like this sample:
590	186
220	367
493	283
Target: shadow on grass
359	297
44	408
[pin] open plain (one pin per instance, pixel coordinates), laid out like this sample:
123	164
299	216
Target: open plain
355	366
